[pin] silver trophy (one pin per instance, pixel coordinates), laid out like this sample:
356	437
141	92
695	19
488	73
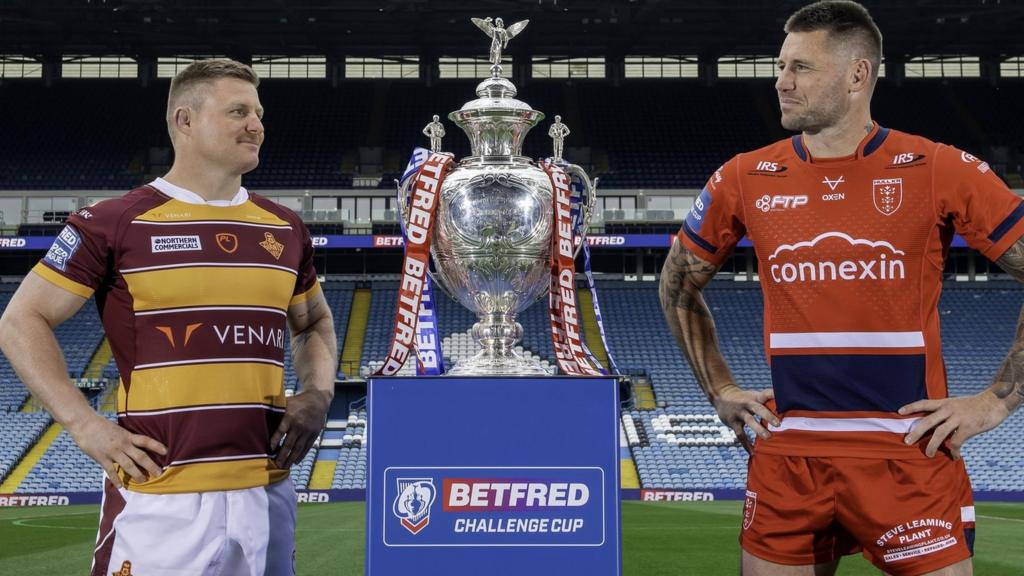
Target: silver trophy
492	241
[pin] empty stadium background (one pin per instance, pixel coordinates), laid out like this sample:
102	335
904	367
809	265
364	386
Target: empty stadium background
657	95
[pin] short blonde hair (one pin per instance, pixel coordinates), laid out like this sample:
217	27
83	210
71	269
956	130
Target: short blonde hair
202	73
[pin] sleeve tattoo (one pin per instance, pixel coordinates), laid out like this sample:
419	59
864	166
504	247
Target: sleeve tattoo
683	279
1009	380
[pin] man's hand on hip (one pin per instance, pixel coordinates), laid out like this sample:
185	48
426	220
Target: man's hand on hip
109	445
955	418
303	419
737	407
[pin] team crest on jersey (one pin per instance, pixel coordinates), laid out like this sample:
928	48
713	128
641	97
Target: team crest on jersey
270	244
227	242
887	194
412	506
126	569
749	507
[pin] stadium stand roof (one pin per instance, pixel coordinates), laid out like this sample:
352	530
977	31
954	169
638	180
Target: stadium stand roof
571	27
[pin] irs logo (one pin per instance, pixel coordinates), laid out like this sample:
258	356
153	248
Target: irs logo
887	194
412	506
749	507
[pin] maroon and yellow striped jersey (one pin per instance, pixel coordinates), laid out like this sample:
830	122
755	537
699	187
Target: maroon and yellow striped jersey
194	299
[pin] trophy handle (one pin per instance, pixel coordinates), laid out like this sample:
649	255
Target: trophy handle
587	209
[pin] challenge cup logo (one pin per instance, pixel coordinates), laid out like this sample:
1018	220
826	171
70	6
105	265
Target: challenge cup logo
412	506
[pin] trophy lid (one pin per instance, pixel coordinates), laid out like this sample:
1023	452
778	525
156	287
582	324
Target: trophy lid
496	121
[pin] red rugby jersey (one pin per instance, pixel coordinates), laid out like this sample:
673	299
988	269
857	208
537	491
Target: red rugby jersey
851	253
194	301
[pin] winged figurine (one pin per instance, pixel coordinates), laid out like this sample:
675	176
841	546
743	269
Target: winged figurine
499	35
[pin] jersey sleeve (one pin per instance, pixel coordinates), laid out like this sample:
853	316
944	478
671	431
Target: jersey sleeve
715	222
306	282
982	209
78	260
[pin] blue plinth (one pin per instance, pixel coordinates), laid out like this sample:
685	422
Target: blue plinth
496	476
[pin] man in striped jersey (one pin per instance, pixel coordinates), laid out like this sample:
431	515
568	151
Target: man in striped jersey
858	444
196	281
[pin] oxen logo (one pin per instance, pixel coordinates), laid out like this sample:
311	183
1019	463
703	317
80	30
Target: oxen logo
887	194
227	242
749	507
126	569
412	506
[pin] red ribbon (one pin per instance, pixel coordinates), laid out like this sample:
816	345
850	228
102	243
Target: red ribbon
419	231
565	320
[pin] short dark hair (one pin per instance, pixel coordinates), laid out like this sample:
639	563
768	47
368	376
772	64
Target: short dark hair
847	22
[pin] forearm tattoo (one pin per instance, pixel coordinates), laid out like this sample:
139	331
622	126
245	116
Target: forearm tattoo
1009	381
682	279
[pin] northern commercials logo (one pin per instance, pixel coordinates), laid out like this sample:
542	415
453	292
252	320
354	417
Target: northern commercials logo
768	203
189	243
766	168
878	261
413	503
887	194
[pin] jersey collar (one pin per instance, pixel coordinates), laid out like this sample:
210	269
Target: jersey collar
872	142
190	197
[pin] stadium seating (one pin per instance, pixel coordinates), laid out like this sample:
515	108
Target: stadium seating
350	471
678	445
641	134
19	432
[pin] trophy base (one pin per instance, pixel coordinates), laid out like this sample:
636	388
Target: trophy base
489	363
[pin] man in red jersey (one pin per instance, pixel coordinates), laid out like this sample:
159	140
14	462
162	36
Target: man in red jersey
858	444
196	281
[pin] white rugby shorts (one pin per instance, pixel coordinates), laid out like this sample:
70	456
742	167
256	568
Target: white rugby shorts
248	532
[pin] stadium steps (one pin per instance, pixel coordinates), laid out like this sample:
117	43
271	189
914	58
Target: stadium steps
323	474
643	396
590	330
108	398
31	458
99	360
30	405
352	352
630	478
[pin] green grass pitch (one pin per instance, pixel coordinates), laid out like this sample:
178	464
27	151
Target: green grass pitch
658	538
